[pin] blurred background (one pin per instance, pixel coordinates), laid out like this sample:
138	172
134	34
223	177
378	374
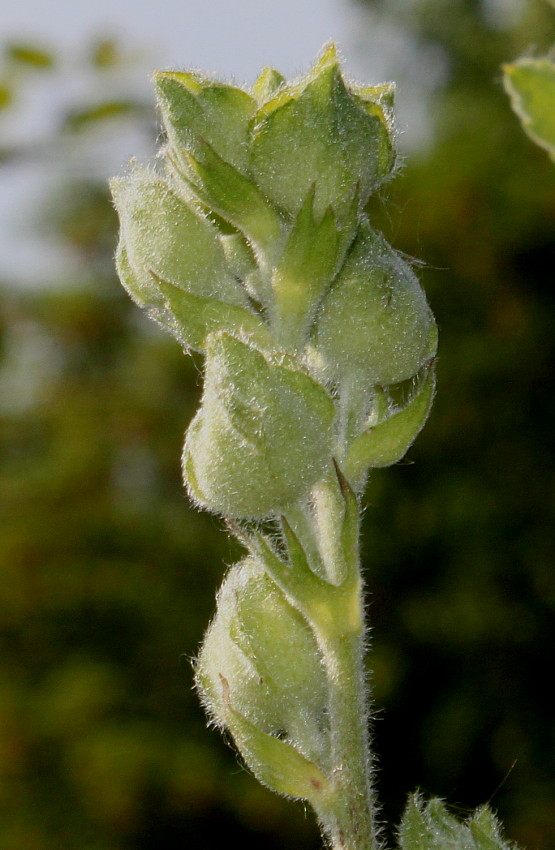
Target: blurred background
107	576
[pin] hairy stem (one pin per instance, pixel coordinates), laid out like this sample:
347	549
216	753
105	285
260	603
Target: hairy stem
349	821
347	814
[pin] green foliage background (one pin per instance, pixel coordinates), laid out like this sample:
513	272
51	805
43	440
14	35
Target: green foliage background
108	577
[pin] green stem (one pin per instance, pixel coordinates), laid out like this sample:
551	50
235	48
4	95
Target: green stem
349	819
347	814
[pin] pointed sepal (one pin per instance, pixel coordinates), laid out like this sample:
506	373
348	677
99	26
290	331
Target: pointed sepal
268	82
429	826
350	527
193	317
307	266
236	198
194	108
414	832
278	764
486	831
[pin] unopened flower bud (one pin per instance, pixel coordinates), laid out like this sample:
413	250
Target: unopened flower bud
321	131
375	322
172	261
162	234
208	127
263	696
262	436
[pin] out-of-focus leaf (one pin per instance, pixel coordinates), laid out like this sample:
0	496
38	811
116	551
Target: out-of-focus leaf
531	86
29	54
5	95
105	53
78	119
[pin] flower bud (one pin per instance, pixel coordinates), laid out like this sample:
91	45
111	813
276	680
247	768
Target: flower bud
260	675
375	322
165	239
208	127
319	131
171	260
262	436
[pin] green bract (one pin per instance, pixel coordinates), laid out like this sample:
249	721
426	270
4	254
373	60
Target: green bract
389	435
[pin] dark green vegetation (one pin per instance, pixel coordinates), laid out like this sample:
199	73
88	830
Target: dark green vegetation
107	576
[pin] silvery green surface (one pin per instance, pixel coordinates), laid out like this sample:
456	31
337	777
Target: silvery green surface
250	243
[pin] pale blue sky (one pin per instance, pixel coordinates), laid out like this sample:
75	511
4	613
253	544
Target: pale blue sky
231	38
227	36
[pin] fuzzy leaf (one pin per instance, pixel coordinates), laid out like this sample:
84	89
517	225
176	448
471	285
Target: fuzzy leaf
531	86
